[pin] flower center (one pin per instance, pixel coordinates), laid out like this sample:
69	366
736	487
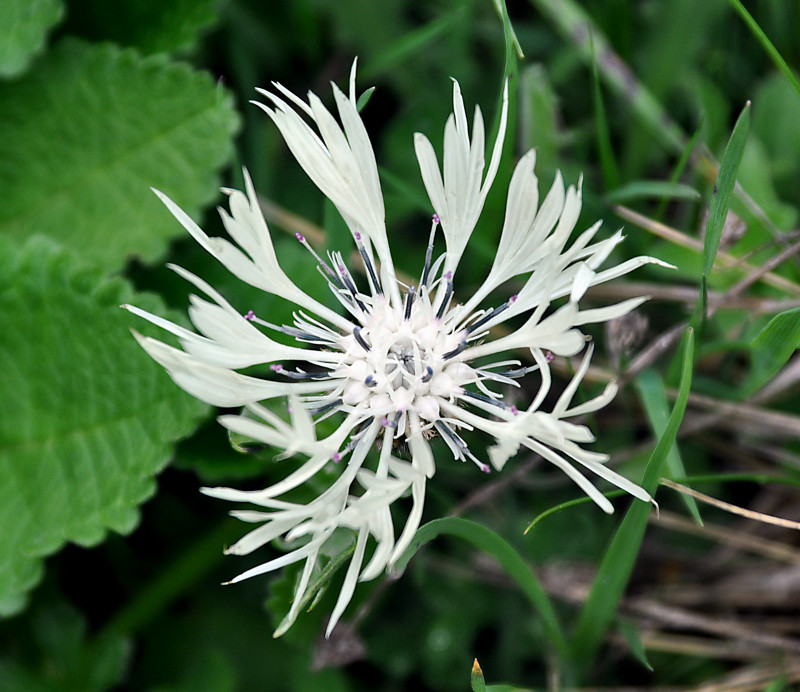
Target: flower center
401	361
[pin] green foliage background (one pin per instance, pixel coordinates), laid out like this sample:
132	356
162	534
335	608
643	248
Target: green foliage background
111	561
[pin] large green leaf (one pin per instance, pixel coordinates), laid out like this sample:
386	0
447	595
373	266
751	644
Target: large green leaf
90	130
88	418
152	26
23	29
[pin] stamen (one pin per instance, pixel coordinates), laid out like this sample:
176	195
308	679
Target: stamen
348	282
370	381
320	262
373	277
484	398
448	294
520	372
549	357
298	375
250	316
483	320
303	335
409	303
461	346
429	253
324	408
360	339
428	374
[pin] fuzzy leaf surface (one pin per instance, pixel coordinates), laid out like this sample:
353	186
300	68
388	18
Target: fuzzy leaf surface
88	417
90	130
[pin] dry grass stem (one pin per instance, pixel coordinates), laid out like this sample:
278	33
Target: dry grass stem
733	509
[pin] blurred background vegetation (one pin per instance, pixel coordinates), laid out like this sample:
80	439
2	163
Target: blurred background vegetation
110	559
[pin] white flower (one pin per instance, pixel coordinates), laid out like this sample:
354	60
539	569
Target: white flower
399	363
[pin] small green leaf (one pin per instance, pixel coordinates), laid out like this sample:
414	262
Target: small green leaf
90	130
651	189
23	29
476	678
88	417
718	209
632	635
773	347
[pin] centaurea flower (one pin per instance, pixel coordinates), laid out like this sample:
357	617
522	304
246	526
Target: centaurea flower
398	363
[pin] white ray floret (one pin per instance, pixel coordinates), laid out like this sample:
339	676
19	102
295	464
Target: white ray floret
401	364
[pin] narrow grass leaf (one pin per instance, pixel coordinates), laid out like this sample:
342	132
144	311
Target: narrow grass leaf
508	558
654	399
652	189
772	348
634	638
617	565
720	201
766	44
567	505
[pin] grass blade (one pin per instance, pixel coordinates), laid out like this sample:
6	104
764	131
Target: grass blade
508	558
766	44
720	201
617	565
654	399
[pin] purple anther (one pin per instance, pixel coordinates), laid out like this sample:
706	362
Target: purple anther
250	315
485	468
300	237
436	218
342	269
385	422
276	367
514	410
448	275
548	356
336	457
358	236
513	299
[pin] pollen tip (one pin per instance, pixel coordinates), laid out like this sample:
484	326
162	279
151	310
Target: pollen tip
513	298
549	357
436	218
514	410
276	367
336	457
385	422
357	235
448	276
300	237
249	315
485	468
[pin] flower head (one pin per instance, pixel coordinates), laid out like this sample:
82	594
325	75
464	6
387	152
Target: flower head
398	361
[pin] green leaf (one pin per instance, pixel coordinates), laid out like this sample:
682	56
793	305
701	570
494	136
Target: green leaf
65	660
773	347
508	558
477	682
718	209
652	189
23	29
617	565
152	26
632	635
654	399
90	130
88	419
